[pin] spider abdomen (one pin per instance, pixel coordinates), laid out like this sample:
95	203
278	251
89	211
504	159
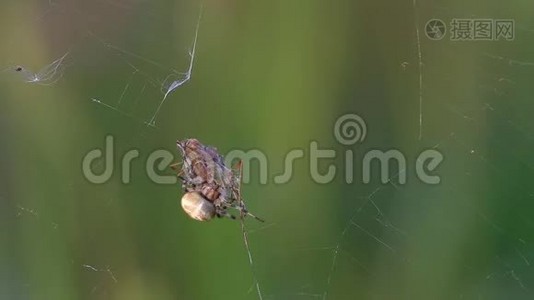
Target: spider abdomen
198	207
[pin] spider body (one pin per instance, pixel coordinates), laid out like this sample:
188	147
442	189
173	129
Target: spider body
211	187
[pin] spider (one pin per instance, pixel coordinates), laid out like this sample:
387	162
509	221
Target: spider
211	187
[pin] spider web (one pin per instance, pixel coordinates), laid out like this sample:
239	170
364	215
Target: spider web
92	45
381	250
147	85
469	237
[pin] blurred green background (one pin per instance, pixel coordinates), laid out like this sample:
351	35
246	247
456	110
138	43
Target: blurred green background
273	76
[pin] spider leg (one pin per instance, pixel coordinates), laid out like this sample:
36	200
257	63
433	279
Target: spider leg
175	167
255	217
224	213
239	200
244	212
180	174
240	204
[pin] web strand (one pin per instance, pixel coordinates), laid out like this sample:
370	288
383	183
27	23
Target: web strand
245	235
419	67
187	76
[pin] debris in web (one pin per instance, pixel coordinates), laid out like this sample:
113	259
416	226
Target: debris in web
24	211
171	83
106	270
48	75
